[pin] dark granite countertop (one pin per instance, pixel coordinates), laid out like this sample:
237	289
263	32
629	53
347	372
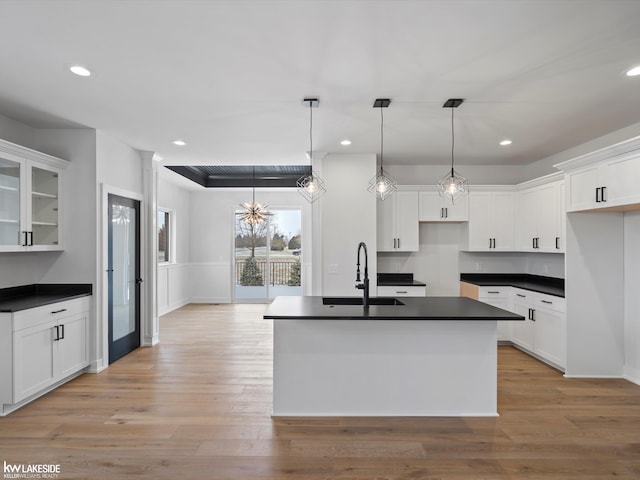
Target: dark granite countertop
535	283
414	308
14	299
398	280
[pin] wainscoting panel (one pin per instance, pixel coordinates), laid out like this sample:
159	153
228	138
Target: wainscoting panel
210	282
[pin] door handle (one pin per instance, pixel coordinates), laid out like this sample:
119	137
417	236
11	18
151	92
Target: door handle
139	280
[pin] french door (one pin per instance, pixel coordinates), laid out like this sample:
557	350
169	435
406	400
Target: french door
123	276
267	257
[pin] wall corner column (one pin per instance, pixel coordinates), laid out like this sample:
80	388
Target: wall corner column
151	321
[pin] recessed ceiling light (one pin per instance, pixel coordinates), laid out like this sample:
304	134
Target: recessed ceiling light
80	70
505	142
179	143
345	142
633	72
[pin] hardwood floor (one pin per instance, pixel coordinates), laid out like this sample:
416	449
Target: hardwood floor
198	406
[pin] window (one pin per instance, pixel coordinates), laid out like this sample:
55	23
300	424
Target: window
164	236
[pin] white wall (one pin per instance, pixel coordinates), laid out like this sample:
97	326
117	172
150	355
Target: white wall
348	213
212	234
631	296
476	174
595	295
19	133
173	279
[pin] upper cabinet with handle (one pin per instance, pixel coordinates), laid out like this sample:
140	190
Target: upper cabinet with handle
540	215
30	199
397	222
604	179
491	220
434	208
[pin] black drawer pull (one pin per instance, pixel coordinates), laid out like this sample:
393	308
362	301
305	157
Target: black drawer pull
59	311
546	301
401	291
493	291
520	295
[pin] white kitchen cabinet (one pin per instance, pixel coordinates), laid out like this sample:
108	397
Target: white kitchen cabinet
42	347
522	332
434	208
550	329
402	291
540	225
543	332
498	297
604	179
397	223
30	199
491	221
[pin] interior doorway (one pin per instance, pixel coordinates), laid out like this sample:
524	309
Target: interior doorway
124	279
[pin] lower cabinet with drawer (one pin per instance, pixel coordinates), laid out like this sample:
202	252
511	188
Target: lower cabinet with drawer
42	348
543	332
401	291
498	297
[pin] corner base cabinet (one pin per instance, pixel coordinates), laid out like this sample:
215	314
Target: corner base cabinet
41	348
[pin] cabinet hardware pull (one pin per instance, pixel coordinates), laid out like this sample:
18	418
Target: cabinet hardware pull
30	239
62	328
401	291
24	244
446	212
494	291
394	243
441	212
598	195
602	192
547	301
558	243
490	243
398	243
59	311
57	334
520	295
533	317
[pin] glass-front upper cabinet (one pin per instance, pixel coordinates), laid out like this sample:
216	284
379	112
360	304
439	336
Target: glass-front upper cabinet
30	199
45	215
10	200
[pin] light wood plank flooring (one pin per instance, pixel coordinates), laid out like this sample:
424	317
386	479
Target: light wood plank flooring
197	406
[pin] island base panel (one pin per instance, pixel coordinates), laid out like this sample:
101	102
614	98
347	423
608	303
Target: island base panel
384	368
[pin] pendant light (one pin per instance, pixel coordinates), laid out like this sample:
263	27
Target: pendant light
253	212
311	186
452	184
382	184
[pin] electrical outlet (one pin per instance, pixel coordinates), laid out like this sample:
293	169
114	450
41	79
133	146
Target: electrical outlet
332	269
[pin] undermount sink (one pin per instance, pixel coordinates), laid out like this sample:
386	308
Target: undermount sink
358	301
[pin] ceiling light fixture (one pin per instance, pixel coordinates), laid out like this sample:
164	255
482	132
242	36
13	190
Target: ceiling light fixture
179	143
382	184
253	212
633	72
80	70
453	185
311	186
345	142
506	142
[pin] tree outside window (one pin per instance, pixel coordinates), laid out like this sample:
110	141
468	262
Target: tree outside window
164	238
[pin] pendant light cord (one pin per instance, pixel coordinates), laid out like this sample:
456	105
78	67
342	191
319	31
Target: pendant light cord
254	185
453	141
311	134
381	140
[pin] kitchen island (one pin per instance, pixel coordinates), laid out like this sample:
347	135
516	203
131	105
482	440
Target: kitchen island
418	356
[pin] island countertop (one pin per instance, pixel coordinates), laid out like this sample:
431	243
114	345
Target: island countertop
414	308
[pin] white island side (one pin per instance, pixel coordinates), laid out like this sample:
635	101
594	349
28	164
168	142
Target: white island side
384	360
